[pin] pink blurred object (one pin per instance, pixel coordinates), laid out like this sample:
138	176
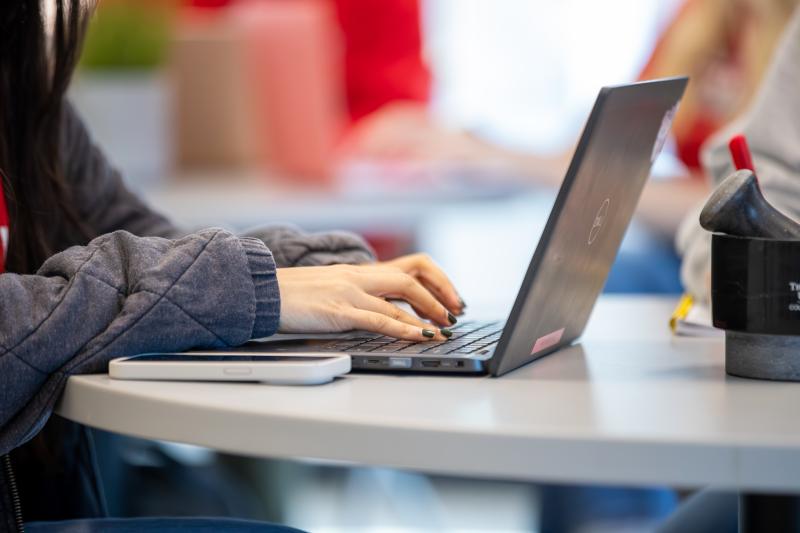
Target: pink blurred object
293	60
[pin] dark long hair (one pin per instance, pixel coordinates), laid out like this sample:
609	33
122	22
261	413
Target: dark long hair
37	57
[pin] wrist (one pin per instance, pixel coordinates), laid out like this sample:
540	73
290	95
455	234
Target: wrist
265	287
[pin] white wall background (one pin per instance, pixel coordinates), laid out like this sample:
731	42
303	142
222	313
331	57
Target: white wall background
524	73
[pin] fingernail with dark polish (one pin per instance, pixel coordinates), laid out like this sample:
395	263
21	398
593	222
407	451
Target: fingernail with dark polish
446	332
428	333
450	318
462	303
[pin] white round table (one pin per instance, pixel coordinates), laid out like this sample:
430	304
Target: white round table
628	405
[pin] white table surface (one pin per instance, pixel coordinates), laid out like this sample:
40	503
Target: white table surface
629	405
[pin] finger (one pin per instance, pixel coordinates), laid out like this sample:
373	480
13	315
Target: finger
379	305
444	292
434	279
383	324
406	287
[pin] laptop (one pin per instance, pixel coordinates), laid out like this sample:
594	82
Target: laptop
622	137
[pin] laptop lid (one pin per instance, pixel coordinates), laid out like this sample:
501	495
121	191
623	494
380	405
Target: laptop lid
622	137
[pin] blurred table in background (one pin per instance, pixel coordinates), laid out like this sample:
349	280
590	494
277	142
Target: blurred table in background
482	236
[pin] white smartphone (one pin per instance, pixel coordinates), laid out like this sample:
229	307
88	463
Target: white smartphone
301	369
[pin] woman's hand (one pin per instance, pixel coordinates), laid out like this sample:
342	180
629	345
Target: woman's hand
344	297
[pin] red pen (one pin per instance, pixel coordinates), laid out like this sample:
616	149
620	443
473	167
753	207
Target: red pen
742	159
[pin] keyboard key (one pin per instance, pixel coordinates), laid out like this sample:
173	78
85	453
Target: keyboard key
391	347
369	346
418	348
340	345
480	347
457	345
439	350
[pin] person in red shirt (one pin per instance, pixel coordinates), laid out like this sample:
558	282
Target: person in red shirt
383	58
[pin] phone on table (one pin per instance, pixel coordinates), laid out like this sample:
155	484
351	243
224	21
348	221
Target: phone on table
217	365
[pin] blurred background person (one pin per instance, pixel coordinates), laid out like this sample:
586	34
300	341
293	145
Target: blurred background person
772	127
724	46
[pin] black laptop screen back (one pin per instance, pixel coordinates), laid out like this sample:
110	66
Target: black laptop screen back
593	209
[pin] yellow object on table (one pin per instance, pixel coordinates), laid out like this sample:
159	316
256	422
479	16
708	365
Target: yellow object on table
692	319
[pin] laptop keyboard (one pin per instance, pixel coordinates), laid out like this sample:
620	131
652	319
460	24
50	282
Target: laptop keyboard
468	338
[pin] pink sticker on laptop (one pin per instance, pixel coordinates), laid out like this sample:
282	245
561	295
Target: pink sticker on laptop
551	339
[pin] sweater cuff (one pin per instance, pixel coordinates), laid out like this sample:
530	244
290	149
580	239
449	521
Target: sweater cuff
265	282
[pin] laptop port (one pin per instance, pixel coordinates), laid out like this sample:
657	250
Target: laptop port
430	364
373	361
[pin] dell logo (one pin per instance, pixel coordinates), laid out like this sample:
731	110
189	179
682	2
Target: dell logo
599	220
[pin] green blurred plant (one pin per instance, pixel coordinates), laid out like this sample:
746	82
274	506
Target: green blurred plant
128	35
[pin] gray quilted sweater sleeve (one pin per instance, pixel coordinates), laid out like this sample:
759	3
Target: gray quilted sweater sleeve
772	127
292	246
121	295
143	285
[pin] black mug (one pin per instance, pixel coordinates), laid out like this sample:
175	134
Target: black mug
755	284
